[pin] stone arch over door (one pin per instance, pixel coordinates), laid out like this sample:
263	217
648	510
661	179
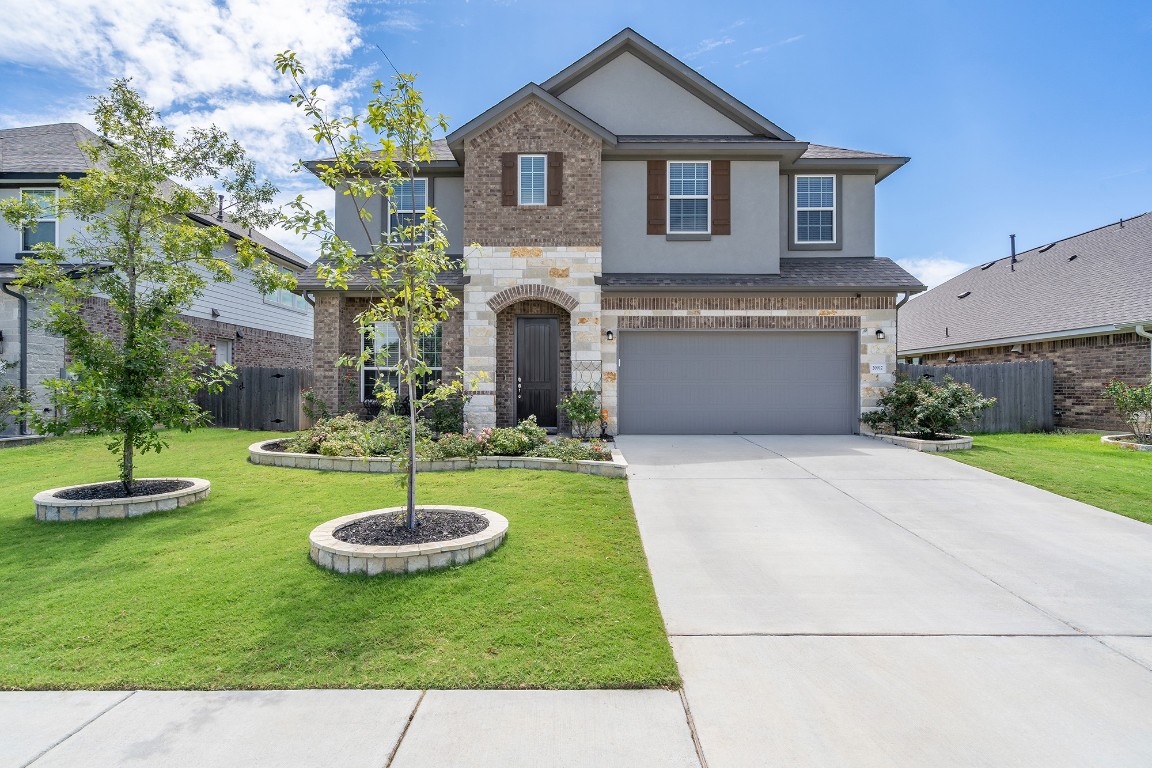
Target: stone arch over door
530	292
506	324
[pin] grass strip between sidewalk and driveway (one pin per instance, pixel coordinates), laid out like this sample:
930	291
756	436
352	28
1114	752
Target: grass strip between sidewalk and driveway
1077	466
222	595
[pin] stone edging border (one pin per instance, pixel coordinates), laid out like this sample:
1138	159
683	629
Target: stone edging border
49	508
1125	441
618	467
329	552
960	443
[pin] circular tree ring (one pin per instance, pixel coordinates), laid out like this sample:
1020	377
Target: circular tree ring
329	552
50	507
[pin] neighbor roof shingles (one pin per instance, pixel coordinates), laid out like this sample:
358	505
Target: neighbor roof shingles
1108	283
45	149
795	274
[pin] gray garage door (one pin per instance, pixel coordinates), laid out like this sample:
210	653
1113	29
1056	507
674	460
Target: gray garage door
738	382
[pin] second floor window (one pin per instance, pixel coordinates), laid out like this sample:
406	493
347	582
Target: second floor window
689	198
45	229
815	209
533	180
406	209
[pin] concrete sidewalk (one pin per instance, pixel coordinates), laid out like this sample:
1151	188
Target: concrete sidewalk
349	729
837	601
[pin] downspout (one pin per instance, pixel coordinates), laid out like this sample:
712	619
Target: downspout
23	345
1142	331
902	302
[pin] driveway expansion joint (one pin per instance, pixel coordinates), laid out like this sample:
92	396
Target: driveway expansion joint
404	731
82	726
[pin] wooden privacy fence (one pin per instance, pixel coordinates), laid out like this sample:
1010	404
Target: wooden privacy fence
1023	392
260	399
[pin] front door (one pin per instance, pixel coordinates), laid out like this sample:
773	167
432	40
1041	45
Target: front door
537	369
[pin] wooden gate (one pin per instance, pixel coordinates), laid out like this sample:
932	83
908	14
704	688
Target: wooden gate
261	399
1025	400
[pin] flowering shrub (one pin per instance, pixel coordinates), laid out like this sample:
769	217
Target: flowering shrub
581	409
923	408
567	449
1135	407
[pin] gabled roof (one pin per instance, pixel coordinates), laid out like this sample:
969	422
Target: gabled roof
361	279
492	116
796	274
1086	284
52	150
630	41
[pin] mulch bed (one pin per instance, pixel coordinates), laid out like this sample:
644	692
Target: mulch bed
115	490
274	447
431	525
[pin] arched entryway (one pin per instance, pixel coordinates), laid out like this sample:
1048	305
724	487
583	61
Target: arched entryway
533	362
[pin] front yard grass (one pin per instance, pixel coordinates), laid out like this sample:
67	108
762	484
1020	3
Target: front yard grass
222	594
1077	466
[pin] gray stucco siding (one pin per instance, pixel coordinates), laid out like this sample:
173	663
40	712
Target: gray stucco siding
628	97
448	199
446	195
855	217
348	222
752	248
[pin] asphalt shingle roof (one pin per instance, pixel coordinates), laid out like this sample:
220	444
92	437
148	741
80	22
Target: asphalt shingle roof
821	152
361	278
45	149
810	274
1098	278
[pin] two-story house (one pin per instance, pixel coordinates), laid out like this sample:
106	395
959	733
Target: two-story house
640	231
245	327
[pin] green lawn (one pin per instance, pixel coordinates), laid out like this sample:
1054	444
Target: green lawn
222	594
1077	466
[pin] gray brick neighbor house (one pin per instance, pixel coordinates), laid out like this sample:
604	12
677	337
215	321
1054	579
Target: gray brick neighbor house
245	327
1081	302
643	233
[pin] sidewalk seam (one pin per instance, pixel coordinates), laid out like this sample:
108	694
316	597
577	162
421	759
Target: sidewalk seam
692	729
83	725
404	732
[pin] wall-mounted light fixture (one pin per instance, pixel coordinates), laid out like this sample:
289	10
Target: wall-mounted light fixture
1017	349
610	335
214	312
880	334
239	334
951	358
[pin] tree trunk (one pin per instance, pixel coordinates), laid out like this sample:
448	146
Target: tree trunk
126	464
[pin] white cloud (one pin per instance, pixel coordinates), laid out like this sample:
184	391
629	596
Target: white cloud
710	44
760	50
933	270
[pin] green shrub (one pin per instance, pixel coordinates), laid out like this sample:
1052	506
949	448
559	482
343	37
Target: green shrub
583	410
453	445
515	441
1135	406
446	415
567	449
926	409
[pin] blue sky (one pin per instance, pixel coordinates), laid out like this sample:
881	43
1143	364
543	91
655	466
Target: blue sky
1031	118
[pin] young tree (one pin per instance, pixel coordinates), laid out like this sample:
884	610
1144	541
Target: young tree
404	258
137	248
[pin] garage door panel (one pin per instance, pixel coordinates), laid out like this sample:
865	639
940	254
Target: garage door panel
742	382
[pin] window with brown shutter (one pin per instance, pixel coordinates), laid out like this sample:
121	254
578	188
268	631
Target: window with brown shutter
508	178
555	178
721	197
657	192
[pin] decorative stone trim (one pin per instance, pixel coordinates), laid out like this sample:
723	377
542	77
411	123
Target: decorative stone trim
745	303
19	440
954	443
738	322
329	552
50	508
618	467
1126	441
510	296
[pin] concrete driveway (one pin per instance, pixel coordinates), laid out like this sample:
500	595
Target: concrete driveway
837	601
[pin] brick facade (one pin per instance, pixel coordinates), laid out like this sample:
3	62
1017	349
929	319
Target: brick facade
1082	368
257	348
506	355
533	128
337	334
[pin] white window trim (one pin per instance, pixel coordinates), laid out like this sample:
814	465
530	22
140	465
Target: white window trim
668	194
390	211
370	365
520	180
796	209
55	199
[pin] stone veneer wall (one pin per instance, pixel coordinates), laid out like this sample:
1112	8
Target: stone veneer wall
337	333
757	312
258	348
506	355
1082	368
560	276
533	128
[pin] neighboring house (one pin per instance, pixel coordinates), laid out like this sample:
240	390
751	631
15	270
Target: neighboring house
245	327
643	233
1081	302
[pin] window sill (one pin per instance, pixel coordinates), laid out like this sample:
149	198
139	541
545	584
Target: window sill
687	236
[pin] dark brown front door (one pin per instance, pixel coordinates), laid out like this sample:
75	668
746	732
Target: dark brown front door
537	369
